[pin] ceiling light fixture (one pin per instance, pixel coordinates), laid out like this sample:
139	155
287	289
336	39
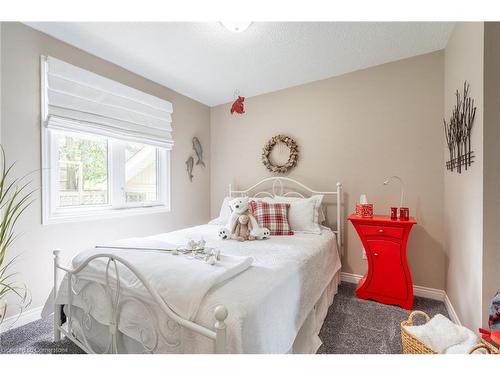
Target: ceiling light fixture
236	26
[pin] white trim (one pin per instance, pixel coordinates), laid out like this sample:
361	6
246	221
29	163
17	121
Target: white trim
26	317
418	291
92	215
350	277
431	293
451	311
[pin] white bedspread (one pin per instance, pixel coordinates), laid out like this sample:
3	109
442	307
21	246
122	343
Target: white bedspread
267	303
173	276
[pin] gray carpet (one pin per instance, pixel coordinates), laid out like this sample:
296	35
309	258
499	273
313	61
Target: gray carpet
352	326
35	338
355	326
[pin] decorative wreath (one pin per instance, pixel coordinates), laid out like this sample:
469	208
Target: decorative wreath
292	159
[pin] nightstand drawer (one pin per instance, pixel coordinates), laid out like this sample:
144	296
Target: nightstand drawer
378	230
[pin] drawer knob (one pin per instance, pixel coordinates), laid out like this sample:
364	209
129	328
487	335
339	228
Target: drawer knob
376	254
381	231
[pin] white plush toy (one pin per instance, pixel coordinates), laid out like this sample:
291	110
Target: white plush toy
261	233
238	206
241	206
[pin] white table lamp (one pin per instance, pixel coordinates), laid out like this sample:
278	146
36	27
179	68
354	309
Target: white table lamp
386	182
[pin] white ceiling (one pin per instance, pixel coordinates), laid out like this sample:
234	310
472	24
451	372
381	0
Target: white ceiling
208	63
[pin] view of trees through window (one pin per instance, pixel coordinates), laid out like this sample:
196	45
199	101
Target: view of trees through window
83	170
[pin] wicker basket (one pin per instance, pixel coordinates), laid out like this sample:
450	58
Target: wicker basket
492	349
486	346
412	345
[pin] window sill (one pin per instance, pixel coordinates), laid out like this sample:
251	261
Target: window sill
93	215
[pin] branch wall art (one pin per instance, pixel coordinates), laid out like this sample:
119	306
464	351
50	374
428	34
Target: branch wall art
458	131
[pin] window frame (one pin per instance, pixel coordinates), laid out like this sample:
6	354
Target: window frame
52	214
120	176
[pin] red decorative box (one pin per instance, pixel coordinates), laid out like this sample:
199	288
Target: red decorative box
364	210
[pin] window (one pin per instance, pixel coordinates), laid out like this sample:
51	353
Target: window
98	175
82	165
105	147
141	173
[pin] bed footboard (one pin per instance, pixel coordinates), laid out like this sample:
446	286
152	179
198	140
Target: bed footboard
76	325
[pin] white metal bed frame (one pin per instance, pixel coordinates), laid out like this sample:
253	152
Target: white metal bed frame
113	291
117	299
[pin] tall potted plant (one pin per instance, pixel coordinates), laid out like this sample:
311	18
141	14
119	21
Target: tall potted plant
15	198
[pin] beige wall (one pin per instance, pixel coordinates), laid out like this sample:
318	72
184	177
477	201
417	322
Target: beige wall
491	178
463	199
358	128
21	50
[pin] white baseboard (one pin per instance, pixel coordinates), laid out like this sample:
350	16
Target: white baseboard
26	317
350	277
419	291
431	293
451	311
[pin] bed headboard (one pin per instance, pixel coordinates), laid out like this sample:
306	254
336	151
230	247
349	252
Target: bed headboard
288	187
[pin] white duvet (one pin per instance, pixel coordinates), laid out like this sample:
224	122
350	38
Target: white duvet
267	303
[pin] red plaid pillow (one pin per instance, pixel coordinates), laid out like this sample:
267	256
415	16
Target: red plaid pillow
273	216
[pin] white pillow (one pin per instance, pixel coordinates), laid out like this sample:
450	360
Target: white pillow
321	210
224	213
304	213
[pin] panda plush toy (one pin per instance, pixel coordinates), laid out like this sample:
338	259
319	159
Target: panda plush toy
224	234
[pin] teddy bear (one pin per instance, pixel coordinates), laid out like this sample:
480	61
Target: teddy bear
241	229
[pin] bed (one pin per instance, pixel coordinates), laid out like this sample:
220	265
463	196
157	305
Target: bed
123	298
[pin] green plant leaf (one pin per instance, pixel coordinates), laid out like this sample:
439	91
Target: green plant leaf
14	201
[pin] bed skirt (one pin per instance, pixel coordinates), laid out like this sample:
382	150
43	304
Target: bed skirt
307	340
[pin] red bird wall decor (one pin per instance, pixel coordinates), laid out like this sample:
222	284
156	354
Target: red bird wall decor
238	105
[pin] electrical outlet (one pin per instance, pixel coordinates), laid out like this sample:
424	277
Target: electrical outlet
363	254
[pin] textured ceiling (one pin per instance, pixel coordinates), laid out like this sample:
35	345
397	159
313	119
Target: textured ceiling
208	63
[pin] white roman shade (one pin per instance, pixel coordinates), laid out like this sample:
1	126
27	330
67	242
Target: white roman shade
78	100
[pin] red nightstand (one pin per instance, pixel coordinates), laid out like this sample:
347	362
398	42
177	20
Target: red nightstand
388	279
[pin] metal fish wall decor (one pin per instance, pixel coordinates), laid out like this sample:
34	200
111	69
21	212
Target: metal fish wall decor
189	168
198	150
